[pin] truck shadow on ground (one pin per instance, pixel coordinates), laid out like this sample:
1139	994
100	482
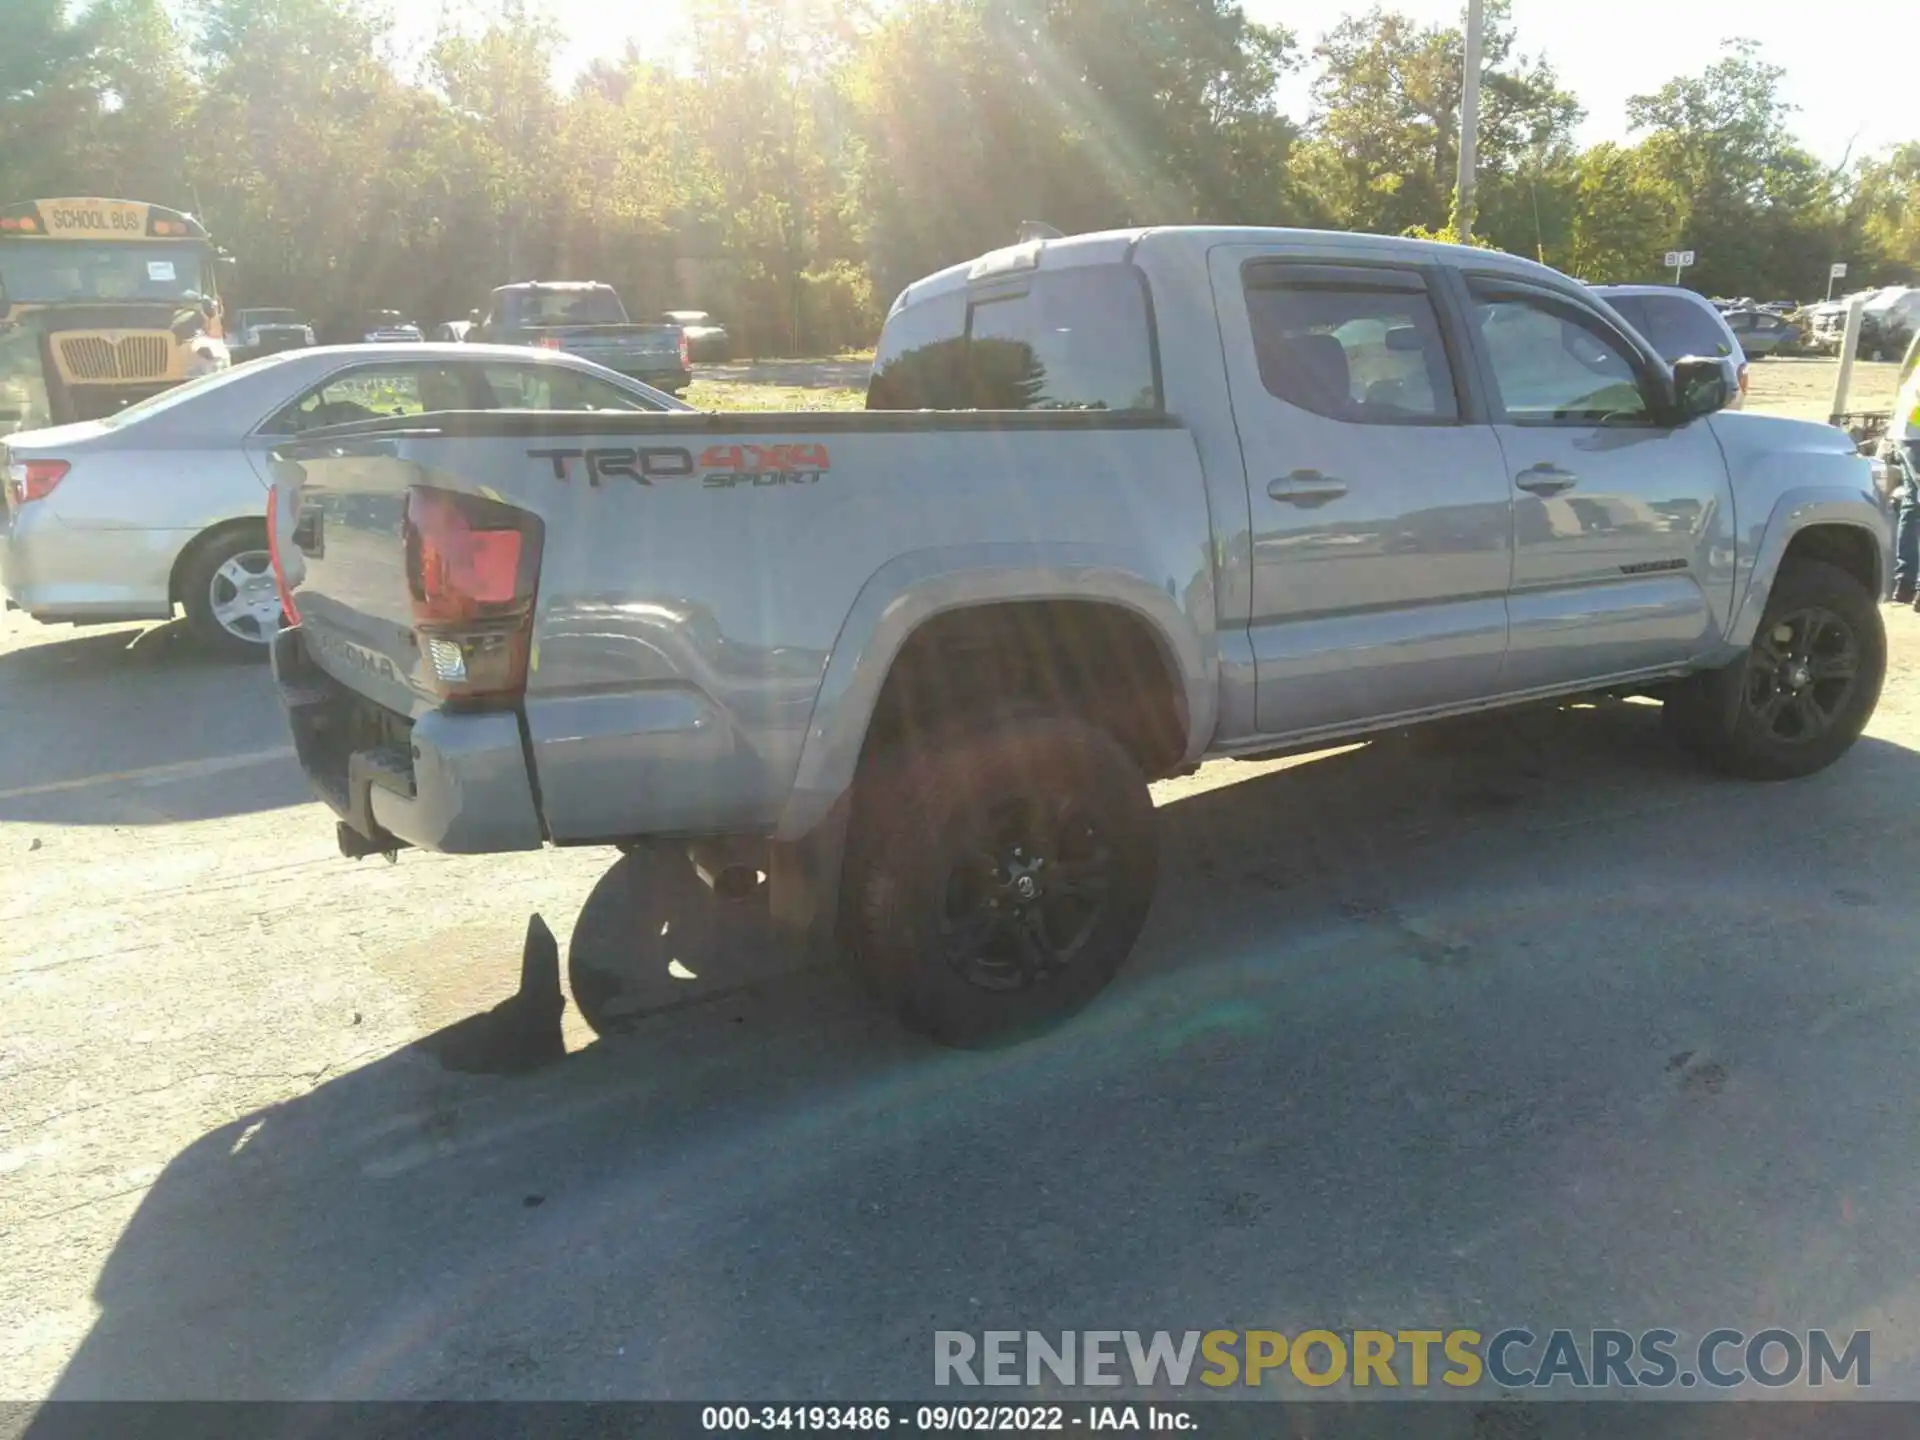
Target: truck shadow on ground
1417	1033
139	726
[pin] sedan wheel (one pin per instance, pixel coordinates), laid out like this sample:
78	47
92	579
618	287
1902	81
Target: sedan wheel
232	602
244	599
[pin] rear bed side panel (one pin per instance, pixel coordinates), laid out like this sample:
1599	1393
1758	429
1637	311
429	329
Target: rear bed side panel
686	627
694	597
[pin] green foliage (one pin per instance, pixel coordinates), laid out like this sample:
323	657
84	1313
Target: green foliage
1387	123
1448	234
801	160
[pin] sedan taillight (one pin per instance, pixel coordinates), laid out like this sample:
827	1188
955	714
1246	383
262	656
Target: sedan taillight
273	554
34	479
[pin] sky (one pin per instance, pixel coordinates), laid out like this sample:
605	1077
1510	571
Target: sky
1603	53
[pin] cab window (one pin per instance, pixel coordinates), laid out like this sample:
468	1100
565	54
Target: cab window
1357	345
1072	339
1553	364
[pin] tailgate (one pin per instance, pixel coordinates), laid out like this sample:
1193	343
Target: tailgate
338	518
621	347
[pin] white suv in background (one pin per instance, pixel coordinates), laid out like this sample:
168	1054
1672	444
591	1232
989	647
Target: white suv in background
1679	323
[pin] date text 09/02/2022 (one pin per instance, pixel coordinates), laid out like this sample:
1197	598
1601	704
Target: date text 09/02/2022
940	1419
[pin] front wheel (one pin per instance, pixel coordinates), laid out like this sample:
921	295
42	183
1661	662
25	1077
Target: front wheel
997	879
233	605
1805	689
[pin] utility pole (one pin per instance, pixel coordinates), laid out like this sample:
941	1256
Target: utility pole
1469	122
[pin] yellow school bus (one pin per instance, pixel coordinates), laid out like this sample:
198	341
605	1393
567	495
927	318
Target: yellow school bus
99	301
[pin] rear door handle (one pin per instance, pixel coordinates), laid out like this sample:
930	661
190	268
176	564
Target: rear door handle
1307	487
1546	479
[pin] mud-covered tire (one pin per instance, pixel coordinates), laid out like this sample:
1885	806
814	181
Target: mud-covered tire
1751	719
224	560
939	919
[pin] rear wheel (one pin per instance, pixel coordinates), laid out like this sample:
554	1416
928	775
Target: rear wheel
227	585
997	880
1805	689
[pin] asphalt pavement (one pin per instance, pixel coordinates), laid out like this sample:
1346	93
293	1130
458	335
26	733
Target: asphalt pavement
1527	1022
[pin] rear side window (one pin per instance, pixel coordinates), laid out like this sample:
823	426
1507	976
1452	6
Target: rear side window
1076	339
1367	351
1675	327
372	392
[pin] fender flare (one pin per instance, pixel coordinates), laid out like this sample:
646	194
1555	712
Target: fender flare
1797	510
911	589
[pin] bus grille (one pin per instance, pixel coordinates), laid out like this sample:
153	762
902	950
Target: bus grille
132	357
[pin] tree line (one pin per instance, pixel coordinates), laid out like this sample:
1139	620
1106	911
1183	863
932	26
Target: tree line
798	161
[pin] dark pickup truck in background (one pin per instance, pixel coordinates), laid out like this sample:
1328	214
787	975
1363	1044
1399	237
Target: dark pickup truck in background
585	318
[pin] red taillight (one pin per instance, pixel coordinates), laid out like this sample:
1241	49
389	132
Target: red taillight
686	352
34	479
471	568
548	342
291	610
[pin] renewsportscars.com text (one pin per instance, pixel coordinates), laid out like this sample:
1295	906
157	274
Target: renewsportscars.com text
1514	1358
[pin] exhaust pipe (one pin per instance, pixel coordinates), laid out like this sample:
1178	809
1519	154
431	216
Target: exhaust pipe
736	882
356	846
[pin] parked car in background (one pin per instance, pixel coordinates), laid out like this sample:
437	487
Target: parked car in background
707	340
1888	322
1680	324
257	331
585	318
164	503
1761	333
452	332
373	327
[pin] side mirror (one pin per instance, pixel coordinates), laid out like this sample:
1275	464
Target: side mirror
1703	385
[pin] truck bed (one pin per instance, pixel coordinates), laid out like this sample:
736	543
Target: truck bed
714	591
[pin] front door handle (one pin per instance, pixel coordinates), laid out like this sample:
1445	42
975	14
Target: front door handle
1546	479
1307	487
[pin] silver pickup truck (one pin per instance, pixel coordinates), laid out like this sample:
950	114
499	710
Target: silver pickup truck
1118	503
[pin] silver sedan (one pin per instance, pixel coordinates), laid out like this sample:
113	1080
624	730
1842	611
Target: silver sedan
164	504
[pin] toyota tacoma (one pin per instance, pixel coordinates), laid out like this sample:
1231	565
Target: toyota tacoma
1118	503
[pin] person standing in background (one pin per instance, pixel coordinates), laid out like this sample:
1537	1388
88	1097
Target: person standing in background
1903	436
197	327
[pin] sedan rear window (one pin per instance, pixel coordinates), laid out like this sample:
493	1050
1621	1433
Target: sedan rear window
565	307
1674	326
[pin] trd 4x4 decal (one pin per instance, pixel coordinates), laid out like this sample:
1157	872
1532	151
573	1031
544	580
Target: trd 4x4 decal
719	466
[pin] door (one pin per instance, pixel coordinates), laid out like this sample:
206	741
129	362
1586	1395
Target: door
1616	510
1382	524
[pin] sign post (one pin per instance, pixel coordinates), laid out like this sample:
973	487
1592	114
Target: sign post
1836	271
1849	342
1679	260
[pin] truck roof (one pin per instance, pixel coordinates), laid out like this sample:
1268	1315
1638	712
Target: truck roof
1112	246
